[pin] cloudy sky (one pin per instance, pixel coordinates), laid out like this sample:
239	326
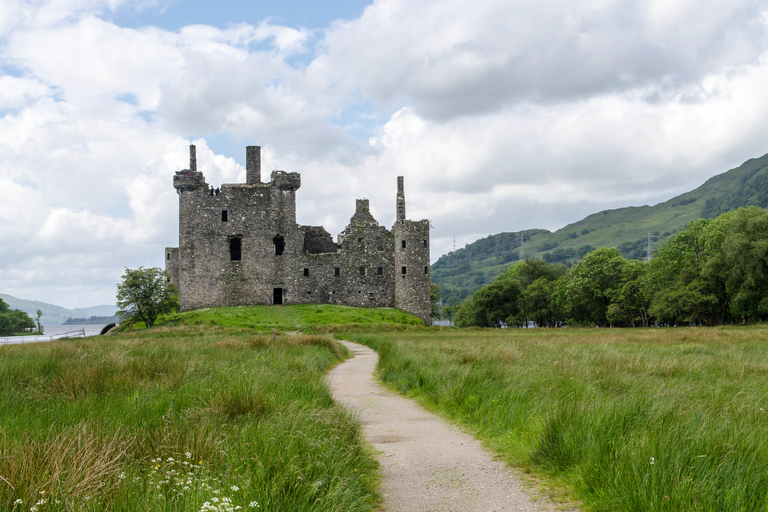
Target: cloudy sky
501	114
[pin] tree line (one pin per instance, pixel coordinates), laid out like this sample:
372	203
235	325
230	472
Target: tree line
13	321
712	273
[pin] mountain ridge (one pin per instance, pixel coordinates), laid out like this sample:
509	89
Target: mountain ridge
53	314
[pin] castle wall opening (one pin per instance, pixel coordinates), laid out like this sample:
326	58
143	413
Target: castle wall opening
277	296
279	243
235	249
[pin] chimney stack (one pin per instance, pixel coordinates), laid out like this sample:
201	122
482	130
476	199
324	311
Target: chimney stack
400	199
253	165
192	158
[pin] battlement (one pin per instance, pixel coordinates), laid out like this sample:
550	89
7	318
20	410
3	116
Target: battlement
286	180
189	180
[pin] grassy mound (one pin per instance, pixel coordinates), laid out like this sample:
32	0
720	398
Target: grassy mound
303	317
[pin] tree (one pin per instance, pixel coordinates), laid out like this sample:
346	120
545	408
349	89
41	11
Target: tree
146	293
593	285
13	321
39	325
435	294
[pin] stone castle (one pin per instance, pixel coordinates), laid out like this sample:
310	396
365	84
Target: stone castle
243	247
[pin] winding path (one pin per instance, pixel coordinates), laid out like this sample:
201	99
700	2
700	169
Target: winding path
427	465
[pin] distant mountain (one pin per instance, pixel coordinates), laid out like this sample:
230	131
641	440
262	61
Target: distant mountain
55	315
464	271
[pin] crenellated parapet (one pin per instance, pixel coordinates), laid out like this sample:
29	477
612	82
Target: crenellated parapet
286	180
190	179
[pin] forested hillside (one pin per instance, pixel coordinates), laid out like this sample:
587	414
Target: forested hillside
713	272
466	270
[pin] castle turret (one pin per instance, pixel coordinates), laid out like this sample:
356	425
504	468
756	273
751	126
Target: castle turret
412	281
189	179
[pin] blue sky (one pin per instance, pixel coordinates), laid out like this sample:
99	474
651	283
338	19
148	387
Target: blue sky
502	115
173	15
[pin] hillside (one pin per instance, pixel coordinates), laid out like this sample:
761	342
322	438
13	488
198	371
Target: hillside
462	272
52	314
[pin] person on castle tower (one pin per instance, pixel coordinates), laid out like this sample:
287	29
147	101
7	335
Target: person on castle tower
211	193
217	191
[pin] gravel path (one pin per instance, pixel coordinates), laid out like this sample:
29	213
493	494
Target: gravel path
427	465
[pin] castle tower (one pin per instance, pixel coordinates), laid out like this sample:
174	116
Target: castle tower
412	280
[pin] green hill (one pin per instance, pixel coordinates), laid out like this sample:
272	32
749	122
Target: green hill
462	272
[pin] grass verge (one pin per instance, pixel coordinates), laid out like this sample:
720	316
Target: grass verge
630	420
179	418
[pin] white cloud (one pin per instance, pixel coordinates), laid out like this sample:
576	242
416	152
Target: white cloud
501	115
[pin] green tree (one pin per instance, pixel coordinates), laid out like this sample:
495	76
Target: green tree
686	278
744	263
435	294
593	284
144	294
39	325
13	321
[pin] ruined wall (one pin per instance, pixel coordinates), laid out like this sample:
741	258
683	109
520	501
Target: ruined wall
244	247
172	265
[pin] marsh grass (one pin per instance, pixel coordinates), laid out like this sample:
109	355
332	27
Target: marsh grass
630	420
179	418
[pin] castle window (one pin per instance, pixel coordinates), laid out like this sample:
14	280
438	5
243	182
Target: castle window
306	272
380	271
370	295
336	271
403	244
223	215
361	242
362	271
426	269
403	270
168	280
279	245
235	249
426	243
381	246
168	256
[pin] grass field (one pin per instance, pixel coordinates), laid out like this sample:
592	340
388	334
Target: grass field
179	418
629	420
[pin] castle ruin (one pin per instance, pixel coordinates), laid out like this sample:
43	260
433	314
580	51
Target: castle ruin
243	247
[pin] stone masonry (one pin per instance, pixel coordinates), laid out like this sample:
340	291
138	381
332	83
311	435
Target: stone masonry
244	247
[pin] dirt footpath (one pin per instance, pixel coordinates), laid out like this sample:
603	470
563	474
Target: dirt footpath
427	464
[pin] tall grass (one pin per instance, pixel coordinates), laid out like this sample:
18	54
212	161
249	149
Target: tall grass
181	418
631	420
